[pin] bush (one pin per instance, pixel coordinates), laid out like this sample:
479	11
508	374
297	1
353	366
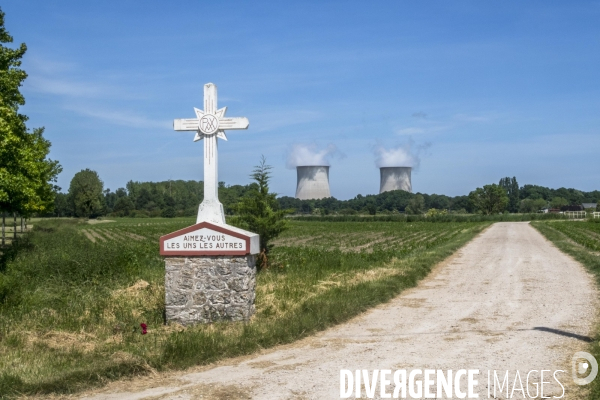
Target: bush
168	212
348	211
432	212
139	214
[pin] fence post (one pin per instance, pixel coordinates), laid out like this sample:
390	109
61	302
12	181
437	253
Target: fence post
22	226
3	229
14	226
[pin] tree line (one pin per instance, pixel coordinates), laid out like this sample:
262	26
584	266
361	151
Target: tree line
506	196
86	197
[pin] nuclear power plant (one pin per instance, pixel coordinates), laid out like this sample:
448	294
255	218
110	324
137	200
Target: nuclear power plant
313	182
394	178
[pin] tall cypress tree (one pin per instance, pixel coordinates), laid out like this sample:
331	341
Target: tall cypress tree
258	211
26	175
514	196
511	187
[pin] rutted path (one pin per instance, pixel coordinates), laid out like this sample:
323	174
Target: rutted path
508	300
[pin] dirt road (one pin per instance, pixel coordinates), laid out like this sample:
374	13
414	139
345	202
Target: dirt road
508	300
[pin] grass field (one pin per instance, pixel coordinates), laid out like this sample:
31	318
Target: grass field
73	295
581	240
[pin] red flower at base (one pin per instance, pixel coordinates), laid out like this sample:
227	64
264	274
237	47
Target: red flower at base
144	327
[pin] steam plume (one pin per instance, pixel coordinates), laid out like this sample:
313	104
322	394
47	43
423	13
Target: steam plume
406	155
303	154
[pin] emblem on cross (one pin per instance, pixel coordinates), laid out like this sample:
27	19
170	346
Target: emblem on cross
209	125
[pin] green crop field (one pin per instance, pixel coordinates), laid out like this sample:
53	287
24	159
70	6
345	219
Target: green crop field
73	295
586	234
581	240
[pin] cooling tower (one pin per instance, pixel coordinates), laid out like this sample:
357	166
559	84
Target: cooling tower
313	182
395	178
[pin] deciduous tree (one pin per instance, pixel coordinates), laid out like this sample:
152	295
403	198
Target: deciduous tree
558	202
26	175
85	193
416	205
123	206
532	205
491	199
62	206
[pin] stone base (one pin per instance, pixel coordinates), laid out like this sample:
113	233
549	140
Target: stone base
206	289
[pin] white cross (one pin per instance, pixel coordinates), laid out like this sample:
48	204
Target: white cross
210	124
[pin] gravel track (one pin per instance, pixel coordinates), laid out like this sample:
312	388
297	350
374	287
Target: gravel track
508	300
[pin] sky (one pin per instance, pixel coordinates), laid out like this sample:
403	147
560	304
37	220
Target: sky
476	90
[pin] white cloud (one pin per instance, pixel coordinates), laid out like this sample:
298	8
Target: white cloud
122	118
66	88
40	65
413	130
72	82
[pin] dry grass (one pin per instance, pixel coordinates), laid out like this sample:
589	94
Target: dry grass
86	297
88	235
134	236
92	235
110	234
267	298
99	221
